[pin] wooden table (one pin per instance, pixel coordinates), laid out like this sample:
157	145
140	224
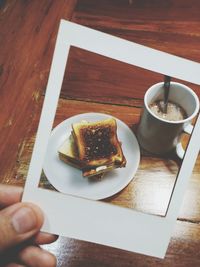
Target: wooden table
96	84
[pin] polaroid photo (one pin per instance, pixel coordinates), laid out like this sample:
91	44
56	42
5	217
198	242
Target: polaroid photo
81	208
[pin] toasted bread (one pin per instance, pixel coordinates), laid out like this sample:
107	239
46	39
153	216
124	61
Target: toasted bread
67	153
93	147
97	143
97	170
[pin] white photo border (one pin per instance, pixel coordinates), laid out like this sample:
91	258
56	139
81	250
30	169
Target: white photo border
96	221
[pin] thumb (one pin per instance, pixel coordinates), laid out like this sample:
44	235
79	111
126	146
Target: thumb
18	223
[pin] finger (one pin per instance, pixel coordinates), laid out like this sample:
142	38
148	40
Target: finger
44	238
36	257
9	257
18	223
9	195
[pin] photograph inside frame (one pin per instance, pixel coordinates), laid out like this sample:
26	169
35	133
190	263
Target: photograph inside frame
116	136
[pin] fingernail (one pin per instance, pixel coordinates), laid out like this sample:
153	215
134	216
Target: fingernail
24	220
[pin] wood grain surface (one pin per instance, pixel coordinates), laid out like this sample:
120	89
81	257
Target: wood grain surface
93	83
28	35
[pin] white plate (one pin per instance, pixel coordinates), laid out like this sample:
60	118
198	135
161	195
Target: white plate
69	180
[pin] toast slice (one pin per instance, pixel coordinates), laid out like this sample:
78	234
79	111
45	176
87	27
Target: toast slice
97	143
97	170
68	154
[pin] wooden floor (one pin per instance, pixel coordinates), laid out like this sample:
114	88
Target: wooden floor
27	40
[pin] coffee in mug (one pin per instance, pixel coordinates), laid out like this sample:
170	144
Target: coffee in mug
160	133
174	111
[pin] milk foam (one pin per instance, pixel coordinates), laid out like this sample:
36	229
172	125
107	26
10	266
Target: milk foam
174	111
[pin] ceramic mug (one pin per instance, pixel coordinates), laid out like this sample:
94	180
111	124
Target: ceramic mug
160	136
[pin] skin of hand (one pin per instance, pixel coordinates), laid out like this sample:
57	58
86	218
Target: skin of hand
20	234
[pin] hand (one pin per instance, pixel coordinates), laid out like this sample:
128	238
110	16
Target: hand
19	232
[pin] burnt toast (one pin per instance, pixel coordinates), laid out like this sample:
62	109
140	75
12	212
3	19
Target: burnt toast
93	147
97	143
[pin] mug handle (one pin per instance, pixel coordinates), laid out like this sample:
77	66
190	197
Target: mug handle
179	148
